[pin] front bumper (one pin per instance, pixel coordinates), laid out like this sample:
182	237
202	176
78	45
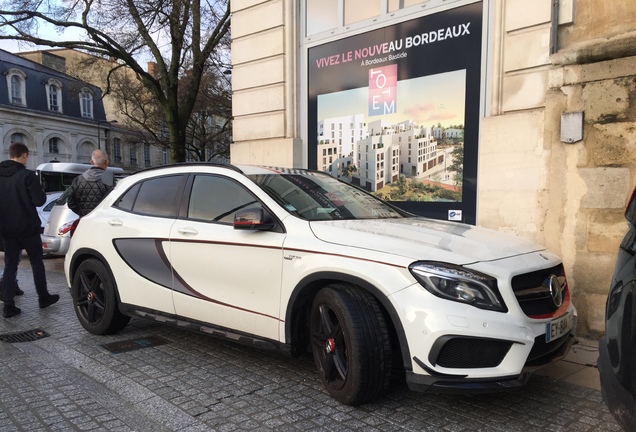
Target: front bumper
540	357
457	347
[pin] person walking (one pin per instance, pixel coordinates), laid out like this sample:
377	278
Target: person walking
21	193
88	189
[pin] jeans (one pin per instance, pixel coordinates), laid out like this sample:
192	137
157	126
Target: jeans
12	250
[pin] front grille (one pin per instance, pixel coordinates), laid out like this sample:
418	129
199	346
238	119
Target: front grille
468	353
532	293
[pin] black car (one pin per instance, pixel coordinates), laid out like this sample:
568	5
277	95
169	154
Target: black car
617	362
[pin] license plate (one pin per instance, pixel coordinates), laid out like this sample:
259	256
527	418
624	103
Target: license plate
558	327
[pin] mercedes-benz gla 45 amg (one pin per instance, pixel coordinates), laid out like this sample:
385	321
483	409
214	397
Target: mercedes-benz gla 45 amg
300	261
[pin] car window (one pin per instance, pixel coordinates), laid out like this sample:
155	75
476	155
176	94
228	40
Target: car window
217	199
316	196
156	197
49	206
127	200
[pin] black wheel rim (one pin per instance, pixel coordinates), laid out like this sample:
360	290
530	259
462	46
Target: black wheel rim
90	301
330	348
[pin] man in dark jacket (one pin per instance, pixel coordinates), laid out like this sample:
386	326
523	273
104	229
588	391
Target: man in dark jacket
88	189
20	227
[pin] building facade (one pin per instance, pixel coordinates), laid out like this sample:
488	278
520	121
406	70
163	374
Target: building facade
126	147
548	120
58	117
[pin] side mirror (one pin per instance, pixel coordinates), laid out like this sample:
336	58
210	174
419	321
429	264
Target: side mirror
255	219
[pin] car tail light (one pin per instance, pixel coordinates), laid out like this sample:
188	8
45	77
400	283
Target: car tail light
67	227
74	225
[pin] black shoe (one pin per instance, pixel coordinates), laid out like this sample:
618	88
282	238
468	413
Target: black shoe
10	311
48	301
18	291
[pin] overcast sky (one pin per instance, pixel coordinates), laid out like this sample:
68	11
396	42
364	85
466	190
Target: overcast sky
46	32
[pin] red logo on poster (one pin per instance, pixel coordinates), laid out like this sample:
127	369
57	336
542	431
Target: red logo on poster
383	90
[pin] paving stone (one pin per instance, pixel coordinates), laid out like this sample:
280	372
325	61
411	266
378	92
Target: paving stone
69	381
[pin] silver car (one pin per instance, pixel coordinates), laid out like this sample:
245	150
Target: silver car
56	237
45	210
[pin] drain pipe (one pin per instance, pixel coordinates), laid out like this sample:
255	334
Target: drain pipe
554	28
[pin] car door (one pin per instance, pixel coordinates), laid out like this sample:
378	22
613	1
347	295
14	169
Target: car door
223	276
140	234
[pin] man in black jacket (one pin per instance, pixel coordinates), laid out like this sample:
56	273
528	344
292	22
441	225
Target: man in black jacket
20	227
88	189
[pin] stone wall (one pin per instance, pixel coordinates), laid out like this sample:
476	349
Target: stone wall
265	93
567	196
600	169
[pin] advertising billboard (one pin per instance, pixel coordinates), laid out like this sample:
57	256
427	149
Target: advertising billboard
396	111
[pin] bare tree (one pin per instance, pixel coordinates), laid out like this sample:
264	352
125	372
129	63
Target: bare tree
182	37
209	130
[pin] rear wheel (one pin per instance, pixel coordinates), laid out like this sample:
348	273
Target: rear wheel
95	299
350	344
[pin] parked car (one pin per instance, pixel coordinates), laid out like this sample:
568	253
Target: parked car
44	210
56	235
617	348
300	261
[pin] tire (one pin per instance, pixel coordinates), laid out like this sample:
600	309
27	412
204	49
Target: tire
95	299
350	343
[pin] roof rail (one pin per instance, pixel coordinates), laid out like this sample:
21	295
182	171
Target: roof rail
207	164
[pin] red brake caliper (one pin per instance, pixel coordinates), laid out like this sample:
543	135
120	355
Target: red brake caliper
330	346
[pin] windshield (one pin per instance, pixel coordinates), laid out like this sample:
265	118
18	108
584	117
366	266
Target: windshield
316	196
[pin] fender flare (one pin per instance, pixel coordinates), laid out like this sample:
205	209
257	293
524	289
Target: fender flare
329	277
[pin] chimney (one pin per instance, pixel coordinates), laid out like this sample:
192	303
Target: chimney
54	61
152	68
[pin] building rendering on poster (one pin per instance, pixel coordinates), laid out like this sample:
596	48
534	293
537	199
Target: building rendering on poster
396	111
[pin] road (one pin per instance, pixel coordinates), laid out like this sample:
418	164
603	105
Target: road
69	380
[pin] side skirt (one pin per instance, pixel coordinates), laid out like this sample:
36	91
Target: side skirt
204	328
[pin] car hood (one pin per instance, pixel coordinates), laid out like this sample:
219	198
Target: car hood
424	239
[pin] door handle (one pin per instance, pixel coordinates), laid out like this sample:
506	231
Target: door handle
115	222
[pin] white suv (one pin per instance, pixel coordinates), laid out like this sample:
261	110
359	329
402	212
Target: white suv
299	261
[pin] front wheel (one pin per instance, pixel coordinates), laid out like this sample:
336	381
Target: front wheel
350	343
95	299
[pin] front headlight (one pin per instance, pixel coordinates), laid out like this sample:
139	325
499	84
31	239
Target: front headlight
459	284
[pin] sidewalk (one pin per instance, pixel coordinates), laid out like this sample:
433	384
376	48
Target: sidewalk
578	367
